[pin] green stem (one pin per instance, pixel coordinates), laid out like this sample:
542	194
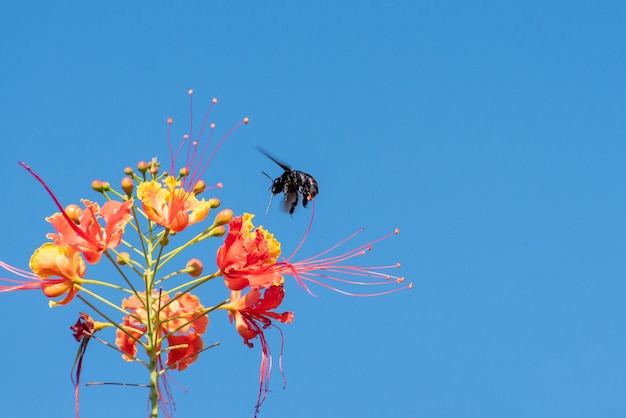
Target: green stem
154	383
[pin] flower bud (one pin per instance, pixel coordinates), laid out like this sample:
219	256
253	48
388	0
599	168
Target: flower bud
199	187
223	217
194	267
123	258
128	186
166	239
214	203
97	185
218	231
142	166
74	212
128	171
183	172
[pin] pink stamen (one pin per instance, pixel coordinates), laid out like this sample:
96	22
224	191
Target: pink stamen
318	267
75	227
195	158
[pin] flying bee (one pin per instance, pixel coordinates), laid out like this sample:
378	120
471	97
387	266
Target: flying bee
291	183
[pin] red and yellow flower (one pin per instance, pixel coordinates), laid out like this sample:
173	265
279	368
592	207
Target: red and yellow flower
247	256
55	270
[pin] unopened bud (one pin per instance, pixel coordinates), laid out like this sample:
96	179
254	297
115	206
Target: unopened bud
154	170
106	186
128	186
128	171
97	185
218	231
214	203
142	166
199	187
74	212
223	217
184	172
194	267
123	258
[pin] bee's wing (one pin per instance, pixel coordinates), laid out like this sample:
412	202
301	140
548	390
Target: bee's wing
281	164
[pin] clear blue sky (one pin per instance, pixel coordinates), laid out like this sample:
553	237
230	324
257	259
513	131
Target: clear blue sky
491	133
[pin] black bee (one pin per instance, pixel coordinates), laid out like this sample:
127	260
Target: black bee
292	183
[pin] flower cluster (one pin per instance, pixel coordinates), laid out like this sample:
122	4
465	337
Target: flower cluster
160	322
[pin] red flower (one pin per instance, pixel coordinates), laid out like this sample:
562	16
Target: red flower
251	312
84	329
252	315
86	235
247	256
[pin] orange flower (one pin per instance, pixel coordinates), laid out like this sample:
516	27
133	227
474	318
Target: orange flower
180	322
247	255
252	316
249	258
170	205
56	272
87	236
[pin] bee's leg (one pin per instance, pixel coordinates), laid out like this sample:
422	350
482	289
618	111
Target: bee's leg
294	204
269	204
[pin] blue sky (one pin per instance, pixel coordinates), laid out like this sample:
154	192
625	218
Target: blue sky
492	134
